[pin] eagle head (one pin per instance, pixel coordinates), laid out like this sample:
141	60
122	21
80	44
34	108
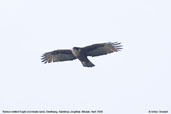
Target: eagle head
76	51
76	48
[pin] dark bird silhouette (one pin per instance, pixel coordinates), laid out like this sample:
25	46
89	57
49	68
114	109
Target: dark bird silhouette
82	53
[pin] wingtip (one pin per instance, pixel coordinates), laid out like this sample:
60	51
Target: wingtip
117	45
114	43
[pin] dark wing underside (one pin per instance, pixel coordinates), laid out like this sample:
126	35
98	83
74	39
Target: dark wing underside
102	49
58	55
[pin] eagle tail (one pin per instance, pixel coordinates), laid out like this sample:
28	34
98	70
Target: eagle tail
87	63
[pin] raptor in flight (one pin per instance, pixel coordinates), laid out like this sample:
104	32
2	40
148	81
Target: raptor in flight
81	53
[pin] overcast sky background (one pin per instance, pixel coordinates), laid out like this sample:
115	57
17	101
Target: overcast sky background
132	81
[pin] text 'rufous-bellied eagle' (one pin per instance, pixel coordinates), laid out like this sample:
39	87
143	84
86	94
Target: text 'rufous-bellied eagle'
81	53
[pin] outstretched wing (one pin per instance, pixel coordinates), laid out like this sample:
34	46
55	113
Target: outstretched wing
58	55
102	49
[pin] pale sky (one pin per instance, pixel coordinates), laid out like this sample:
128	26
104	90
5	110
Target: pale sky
132	81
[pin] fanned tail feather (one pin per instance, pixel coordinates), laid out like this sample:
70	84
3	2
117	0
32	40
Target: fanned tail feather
87	63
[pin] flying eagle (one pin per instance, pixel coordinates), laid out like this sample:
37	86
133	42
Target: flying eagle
82	53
